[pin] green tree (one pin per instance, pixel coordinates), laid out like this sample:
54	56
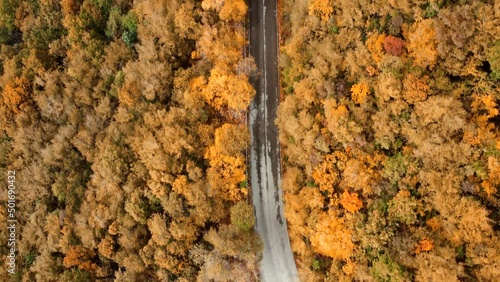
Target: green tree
242	216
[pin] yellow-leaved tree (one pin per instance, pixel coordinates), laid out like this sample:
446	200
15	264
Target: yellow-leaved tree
226	175
322	8
234	10
359	92
422	43
331	237
225	89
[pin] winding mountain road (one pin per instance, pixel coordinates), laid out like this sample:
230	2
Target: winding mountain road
265	173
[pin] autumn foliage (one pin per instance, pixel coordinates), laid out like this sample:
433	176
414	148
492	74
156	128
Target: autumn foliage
422	42
323	8
359	93
424	245
227	162
331	237
350	202
394	45
125	124
389	130
228	90
80	257
375	45
16	92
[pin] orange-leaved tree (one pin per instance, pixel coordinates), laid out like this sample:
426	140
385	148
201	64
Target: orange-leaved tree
16	92
80	257
351	201
424	245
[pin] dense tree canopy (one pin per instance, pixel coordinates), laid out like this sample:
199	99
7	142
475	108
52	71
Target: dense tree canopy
123	121
389	126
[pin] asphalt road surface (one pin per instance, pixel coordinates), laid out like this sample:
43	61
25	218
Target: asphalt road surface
265	173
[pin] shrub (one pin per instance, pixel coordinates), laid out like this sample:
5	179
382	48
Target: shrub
242	216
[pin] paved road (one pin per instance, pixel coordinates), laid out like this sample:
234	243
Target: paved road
277	263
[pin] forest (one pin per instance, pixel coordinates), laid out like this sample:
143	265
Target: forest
125	124
389	124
